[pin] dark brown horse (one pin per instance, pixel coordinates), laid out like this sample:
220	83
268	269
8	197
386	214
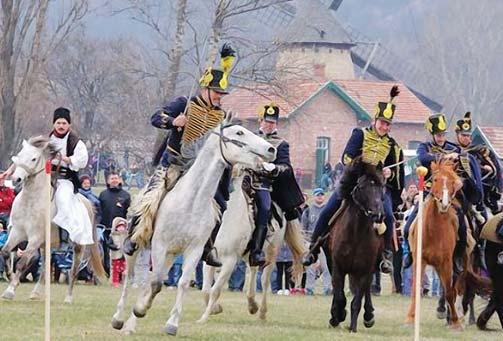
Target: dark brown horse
353	242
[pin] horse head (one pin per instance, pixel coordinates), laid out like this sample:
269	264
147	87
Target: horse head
238	145
31	159
445	183
363	183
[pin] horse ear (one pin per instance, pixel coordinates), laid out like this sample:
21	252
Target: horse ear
228	118
379	166
25	143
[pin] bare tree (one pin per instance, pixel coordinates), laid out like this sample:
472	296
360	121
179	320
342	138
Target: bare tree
25	44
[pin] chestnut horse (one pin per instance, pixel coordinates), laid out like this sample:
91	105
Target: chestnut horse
353	241
439	237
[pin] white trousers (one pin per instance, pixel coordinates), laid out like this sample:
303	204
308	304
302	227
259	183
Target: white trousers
71	214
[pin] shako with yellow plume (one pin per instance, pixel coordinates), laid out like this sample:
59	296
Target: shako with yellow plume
203	116
386	110
436	124
464	126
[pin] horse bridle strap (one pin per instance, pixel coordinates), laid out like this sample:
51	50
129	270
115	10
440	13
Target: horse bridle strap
30	170
358	203
224	139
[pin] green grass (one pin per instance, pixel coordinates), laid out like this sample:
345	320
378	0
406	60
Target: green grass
289	318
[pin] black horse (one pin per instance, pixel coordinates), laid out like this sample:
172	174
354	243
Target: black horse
496	273
353	243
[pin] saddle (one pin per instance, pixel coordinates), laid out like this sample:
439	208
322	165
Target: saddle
274	215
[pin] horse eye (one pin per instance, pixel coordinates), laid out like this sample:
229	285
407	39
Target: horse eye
34	159
240	133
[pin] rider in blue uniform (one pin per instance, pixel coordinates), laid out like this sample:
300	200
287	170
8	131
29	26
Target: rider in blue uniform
275	182
468	169
188	121
374	145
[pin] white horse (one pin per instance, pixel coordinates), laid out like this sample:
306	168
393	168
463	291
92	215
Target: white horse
187	215
29	214
231	242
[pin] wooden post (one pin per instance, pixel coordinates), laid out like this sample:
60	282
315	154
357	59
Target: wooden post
48	255
421	172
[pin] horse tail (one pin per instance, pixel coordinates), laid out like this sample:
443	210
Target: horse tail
146	205
297	242
95	258
470	279
96	261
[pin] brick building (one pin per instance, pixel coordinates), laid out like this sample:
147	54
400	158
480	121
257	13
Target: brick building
317	118
321	101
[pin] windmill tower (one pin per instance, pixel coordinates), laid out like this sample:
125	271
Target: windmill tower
316	43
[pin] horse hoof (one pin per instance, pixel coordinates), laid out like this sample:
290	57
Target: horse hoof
262	315
333	323
139	313
370	323
35	296
441	314
252	307
8	294
351	330
68	300
127	332
117	324
343	315
202	320
170	329
217	309
456	326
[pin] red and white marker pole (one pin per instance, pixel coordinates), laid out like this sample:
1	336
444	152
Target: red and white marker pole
421	173
48	255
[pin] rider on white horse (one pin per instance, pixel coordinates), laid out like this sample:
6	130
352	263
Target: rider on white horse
188	121
275	182
71	214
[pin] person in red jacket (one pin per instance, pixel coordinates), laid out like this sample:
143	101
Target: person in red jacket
6	199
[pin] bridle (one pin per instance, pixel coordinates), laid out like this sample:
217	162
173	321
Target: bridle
358	187
30	171
223	140
446	199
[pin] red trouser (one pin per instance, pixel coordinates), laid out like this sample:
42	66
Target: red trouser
118	267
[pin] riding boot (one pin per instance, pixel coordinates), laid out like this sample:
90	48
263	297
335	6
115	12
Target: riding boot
407	260
386	265
459	252
314	250
257	256
129	247
460	248
480	248
209	252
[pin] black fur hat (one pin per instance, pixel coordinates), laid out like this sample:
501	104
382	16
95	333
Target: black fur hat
62	113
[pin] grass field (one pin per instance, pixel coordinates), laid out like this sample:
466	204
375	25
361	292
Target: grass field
289	318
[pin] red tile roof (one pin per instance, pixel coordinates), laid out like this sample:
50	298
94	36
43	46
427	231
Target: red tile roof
246	102
494	135
409	108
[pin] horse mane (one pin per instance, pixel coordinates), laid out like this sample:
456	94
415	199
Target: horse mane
352	172
444	166
43	142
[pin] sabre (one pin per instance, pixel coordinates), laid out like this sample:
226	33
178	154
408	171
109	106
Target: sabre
194	85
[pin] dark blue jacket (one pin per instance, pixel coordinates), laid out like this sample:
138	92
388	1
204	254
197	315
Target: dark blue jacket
163	119
354	148
427	152
285	189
